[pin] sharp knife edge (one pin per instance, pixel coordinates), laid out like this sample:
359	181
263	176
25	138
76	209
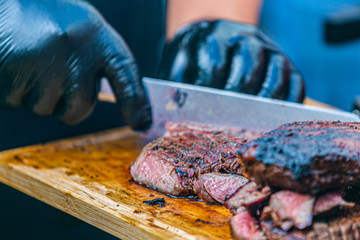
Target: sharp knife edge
173	101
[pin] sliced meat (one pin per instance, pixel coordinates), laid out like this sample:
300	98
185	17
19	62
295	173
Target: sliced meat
216	187
179	128
306	157
245	227
343	227
275	233
247	196
287	209
330	200
160	174
172	164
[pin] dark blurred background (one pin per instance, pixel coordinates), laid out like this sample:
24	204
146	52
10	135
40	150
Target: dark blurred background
331	71
22	217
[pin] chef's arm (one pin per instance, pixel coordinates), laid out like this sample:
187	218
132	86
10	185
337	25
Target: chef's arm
181	12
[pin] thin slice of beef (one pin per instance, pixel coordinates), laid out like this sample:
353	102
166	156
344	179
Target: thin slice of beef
216	187
287	209
179	128
245	227
158	173
247	196
330	200
307	157
173	164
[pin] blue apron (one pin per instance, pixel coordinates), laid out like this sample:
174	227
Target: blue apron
331	72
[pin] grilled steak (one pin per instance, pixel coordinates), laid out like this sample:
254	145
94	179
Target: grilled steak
216	187
306	157
173	164
310	161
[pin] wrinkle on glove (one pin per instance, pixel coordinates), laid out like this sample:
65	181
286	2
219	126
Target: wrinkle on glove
233	56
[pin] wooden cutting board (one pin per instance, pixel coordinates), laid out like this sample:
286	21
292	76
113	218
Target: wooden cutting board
88	177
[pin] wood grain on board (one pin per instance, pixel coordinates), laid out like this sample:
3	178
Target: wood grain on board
88	177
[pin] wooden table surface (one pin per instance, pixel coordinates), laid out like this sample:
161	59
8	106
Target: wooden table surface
88	177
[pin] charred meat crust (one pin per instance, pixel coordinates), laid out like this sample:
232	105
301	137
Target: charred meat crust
173	164
305	157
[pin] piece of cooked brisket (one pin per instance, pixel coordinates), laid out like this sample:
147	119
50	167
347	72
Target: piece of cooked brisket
328	201
248	196
312	162
306	157
245	227
173	164
287	209
216	187
343	227
290	215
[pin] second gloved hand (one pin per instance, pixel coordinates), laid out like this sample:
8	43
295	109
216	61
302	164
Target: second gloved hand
53	54
232	56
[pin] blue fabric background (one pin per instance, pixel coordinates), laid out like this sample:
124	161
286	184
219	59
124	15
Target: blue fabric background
331	72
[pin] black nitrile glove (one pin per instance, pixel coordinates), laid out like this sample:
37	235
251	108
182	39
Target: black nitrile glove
232	56
53	54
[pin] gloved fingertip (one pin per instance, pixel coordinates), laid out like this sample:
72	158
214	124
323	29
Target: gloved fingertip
143	122
276	81
296	87
72	111
136	113
72	120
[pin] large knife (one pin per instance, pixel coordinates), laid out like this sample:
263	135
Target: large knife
171	101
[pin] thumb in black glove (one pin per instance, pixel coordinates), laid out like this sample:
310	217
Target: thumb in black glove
232	56
53	54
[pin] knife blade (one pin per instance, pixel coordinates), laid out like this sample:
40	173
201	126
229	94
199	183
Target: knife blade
172	101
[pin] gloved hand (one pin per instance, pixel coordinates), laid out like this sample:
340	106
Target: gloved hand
53	54
232	56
